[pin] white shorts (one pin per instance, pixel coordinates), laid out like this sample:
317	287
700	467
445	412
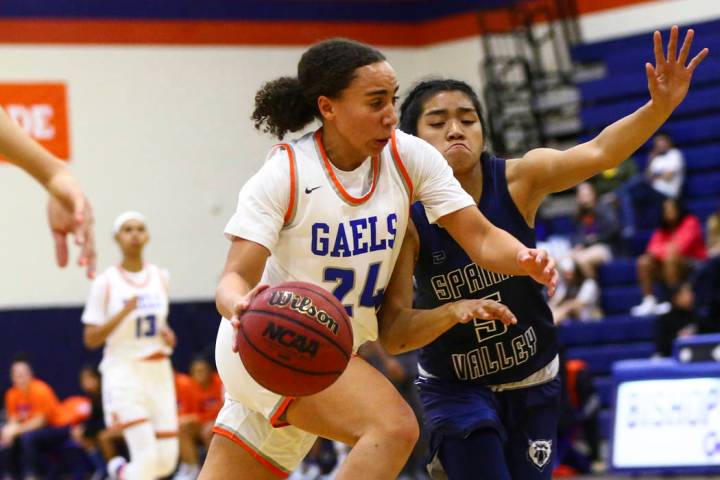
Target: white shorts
251	415
134	391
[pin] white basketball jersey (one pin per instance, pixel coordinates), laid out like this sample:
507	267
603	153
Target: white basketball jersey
138	335
346	244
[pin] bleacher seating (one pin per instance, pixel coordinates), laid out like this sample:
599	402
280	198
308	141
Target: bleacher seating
695	128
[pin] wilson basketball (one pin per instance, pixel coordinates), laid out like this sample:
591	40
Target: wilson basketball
295	339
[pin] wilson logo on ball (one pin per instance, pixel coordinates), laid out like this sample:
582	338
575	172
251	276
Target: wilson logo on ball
288	338
304	305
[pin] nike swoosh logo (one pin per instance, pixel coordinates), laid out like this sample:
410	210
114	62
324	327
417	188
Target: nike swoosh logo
309	190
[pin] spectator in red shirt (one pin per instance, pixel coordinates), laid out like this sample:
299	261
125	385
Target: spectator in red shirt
198	405
673	249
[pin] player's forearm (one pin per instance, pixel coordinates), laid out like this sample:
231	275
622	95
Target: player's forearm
487	245
231	289
497	251
94	336
406	329
24	152
34	423
621	139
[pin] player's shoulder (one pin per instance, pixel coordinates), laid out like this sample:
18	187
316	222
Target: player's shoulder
281	151
103	278
406	142
414	150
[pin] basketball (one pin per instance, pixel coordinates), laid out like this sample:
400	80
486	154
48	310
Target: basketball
295	339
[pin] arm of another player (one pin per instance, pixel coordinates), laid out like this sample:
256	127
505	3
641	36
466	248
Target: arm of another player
548	170
69	212
495	249
402	328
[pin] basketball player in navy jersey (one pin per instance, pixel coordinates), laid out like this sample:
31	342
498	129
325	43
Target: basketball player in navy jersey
491	391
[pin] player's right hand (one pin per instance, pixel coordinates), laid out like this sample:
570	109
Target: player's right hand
70	213
463	311
240	308
131	304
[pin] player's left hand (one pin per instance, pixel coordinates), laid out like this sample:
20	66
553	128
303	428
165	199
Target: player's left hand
669	79
540	267
168	336
70	213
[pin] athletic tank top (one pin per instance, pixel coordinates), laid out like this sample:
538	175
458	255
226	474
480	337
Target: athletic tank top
480	351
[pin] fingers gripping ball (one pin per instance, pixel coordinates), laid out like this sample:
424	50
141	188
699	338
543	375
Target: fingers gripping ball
295	339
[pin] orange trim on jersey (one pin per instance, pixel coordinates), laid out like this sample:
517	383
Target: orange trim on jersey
155	357
123	426
143	284
338	186
279	412
248	448
166	434
293	183
401	166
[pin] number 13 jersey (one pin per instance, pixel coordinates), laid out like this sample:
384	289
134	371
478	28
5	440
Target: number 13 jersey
137	336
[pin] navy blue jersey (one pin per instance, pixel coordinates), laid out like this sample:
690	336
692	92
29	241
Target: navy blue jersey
481	351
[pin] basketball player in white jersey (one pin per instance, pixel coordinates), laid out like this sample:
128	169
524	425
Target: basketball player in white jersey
127	312
331	208
69	212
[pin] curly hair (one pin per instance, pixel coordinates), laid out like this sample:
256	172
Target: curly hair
287	104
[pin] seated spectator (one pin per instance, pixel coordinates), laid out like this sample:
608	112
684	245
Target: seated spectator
712	228
87	433
608	181
577	296
682	320
670	255
663	179
29	404
666	166
598	231
578	423
200	398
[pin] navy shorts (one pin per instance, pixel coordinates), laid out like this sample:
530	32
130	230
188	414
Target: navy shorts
525	420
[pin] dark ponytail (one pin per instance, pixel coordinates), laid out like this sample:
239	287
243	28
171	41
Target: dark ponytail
288	104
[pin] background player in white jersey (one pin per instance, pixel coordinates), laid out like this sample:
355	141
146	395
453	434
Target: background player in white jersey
331	208
127	312
69	212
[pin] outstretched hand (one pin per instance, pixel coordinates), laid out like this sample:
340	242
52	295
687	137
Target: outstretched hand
70	213
669	79
540	267
240	308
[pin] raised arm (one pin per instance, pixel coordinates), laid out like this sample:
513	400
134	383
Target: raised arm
548	171
402	328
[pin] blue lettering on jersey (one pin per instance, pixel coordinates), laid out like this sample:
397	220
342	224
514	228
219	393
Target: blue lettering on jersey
354	237
320	243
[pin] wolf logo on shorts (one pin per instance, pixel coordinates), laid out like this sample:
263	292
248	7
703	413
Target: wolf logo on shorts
539	452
